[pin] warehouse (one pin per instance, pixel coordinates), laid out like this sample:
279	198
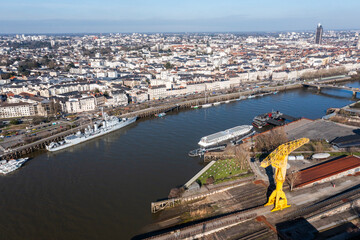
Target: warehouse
328	171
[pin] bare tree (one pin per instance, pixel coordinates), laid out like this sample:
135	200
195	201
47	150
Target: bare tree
175	192
318	146
268	141
242	155
323	73
293	178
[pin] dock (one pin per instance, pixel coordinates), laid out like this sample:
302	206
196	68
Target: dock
37	145
201	101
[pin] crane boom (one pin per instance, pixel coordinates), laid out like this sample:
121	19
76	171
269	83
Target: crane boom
278	159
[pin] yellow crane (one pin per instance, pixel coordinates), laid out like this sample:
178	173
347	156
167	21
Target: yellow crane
278	159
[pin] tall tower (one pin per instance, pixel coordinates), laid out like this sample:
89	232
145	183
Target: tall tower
319	32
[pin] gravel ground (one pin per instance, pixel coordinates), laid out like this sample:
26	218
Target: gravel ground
318	129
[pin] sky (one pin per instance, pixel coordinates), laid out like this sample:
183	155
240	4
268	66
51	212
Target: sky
105	16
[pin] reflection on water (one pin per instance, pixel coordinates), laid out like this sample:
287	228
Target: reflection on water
102	189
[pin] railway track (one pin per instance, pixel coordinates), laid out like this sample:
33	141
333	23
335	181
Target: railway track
261	234
325	204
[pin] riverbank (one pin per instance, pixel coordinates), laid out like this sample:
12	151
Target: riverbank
206	206
180	104
184	103
130	168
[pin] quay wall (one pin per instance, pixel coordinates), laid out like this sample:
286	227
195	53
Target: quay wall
38	145
172	202
212	99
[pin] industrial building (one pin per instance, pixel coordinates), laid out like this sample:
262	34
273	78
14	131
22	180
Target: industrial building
328	171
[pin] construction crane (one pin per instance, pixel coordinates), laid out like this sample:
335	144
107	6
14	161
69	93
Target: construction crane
278	159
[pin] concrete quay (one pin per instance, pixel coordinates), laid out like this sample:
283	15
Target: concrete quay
37	145
219	98
40	144
200	101
309	205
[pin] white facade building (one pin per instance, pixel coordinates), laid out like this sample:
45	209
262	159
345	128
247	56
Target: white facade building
21	109
80	105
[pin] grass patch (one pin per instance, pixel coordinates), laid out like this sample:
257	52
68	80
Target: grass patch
223	170
356	105
336	154
315	146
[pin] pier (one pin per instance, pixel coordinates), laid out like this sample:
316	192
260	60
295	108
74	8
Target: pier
37	145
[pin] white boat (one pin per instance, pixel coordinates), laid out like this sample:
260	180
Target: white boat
217	103
160	114
226	135
251	96
206	105
228	101
241	98
11	165
109	124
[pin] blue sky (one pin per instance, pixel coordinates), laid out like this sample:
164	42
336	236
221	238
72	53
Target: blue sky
79	16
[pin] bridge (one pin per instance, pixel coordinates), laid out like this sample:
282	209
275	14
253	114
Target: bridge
332	86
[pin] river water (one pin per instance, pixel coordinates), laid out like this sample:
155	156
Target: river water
102	189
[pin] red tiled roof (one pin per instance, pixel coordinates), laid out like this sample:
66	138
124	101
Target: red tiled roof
327	169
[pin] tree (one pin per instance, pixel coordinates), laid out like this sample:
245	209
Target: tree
267	142
55	108
15	121
293	178
242	155
37	120
69	66
7	75
210	180
51	65
168	66
323	73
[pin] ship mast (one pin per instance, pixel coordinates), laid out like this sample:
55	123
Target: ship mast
205	94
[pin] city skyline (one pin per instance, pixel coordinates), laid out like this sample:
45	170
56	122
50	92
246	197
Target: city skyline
159	16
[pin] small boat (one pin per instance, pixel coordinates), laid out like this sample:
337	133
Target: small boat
217	103
241	98
197	152
206	105
251	96
195	107
160	114
228	101
11	165
275	92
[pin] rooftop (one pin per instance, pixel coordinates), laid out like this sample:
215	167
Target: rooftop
327	169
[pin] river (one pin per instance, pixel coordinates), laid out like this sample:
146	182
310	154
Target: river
102	189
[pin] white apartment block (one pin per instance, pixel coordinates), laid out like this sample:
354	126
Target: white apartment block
157	92
21	109
80	105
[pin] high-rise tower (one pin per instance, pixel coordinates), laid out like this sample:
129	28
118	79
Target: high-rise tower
319	32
